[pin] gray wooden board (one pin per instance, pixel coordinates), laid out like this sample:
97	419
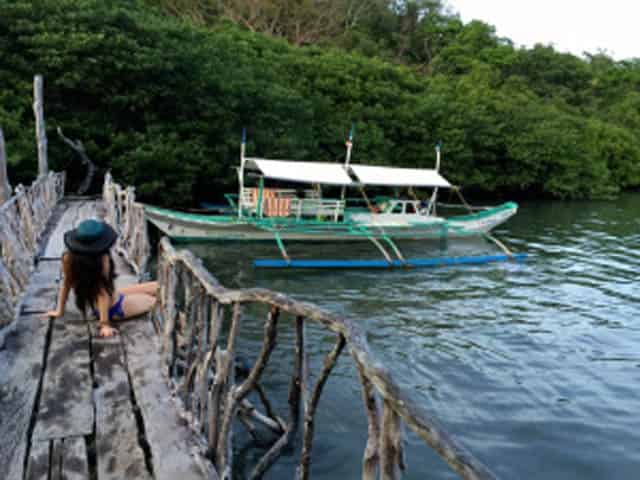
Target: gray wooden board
39	459
52	222
21	362
73	460
55	243
75	213
55	460
66	404
119	455
173	446
42	292
125	276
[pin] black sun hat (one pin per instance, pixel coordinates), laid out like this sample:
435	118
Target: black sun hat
90	237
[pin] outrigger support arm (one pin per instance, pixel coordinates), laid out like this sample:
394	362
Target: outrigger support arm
500	245
389	242
283	250
395	248
381	248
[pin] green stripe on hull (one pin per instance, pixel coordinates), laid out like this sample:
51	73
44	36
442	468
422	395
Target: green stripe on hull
484	213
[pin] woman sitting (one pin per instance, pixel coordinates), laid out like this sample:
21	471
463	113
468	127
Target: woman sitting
88	269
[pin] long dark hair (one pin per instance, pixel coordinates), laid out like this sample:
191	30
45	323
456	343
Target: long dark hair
88	278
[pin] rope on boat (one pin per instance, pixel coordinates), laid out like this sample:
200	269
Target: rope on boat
370	206
462	199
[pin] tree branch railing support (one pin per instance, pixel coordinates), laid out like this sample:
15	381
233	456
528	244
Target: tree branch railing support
213	395
128	219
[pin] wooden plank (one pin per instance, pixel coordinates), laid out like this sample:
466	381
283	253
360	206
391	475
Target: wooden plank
173	446
75	213
66	406
55	244
47	270
56	215
42	291
39	459
21	367
55	461
119	454
75	461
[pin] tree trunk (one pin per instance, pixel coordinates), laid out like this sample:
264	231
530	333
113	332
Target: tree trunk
5	188
41	135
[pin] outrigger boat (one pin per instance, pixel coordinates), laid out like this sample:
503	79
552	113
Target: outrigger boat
261	212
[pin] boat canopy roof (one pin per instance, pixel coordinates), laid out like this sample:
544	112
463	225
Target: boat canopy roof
336	173
303	172
399	177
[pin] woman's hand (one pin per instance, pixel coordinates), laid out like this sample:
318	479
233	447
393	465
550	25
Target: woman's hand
52	314
107	331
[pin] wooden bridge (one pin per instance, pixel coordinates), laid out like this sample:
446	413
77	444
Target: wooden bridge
162	399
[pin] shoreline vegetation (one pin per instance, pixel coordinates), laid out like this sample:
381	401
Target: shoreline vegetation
159	91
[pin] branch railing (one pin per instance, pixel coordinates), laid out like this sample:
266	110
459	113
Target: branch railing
193	311
127	217
23	219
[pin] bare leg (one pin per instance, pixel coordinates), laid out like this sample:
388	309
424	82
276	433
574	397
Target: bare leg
148	288
136	304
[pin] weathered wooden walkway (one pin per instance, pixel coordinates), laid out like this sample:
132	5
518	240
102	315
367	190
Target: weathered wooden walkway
74	406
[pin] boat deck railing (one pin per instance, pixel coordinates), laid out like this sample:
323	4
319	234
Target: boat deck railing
272	202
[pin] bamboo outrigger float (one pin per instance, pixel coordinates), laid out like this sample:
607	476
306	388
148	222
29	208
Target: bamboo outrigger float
304	214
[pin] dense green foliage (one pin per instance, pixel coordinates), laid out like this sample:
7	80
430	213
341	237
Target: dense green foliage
161	100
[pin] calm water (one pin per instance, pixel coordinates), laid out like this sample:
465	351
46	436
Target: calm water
535	367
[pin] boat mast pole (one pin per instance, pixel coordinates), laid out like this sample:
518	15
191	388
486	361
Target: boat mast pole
434	196
241	171
347	161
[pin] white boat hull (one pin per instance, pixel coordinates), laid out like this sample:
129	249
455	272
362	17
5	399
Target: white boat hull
194	227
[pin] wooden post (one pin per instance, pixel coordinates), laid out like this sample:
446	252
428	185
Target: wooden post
41	135
5	188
